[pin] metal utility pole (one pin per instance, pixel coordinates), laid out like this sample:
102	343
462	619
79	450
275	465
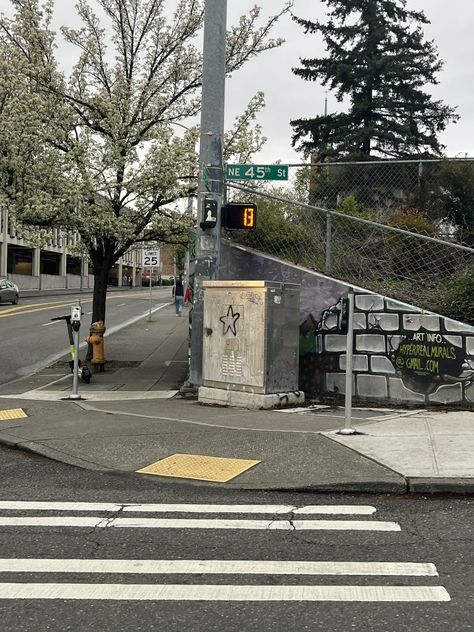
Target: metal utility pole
189	212
150	301
211	171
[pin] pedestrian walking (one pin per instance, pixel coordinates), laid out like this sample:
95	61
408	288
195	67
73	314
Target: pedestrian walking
178	291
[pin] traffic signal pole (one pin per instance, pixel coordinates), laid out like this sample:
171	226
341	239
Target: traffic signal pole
211	172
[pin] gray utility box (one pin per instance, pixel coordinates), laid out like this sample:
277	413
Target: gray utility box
251	336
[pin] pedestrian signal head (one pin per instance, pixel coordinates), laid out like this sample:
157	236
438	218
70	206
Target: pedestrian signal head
239	216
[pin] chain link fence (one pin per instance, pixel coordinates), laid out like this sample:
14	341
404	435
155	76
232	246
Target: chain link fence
393	228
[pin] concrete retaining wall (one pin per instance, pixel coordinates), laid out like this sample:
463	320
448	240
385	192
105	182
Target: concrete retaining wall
52	282
25	282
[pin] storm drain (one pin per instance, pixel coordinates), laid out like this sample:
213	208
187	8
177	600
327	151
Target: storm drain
198	467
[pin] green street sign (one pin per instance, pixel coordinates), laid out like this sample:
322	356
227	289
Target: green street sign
256	172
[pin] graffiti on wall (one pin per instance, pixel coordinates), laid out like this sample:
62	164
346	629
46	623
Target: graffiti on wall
427	359
390	362
229	321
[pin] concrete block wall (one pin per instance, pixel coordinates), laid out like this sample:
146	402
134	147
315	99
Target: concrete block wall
380	327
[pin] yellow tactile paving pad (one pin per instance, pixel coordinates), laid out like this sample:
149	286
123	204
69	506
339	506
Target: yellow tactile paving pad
12	413
198	467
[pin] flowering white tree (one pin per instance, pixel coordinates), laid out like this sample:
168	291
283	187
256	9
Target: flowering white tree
96	152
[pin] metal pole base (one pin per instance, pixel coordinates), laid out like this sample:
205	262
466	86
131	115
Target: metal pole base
74	396
348	431
188	389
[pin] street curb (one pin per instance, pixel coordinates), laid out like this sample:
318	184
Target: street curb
464	486
32	447
420	485
372	487
458	486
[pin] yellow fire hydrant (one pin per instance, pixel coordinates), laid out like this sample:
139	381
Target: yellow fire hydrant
96	339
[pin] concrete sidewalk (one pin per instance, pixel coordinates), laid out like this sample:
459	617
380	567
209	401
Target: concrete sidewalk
132	416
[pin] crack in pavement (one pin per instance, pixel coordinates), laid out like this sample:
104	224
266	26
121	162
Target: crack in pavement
105	523
291	521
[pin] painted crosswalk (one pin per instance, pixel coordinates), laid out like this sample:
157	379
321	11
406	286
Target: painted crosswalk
205	579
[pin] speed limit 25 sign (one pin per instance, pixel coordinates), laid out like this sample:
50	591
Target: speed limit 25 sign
151	258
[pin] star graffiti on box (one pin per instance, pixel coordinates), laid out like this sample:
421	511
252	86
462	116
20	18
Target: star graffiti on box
230	321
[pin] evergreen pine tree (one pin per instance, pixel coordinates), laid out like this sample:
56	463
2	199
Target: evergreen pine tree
379	60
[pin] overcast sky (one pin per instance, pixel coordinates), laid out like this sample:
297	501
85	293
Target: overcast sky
288	96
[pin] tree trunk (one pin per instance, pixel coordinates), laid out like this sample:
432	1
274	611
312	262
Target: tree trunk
101	275
370	19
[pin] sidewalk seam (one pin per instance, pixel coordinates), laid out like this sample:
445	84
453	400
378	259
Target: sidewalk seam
369	458
432	442
195	423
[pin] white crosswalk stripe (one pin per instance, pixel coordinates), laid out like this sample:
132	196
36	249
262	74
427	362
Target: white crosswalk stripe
213	592
184	523
363	510
216	567
277	517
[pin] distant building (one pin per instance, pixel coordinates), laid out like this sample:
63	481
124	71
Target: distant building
55	266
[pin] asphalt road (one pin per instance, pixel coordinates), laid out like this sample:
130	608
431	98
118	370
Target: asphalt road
30	340
433	531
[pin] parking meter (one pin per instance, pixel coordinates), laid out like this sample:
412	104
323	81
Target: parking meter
76	314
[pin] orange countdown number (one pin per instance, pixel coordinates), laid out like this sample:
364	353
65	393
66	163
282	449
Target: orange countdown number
249	217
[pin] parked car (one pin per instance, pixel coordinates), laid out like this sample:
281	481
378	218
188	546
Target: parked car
9	292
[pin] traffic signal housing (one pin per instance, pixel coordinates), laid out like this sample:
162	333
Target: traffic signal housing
239	216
